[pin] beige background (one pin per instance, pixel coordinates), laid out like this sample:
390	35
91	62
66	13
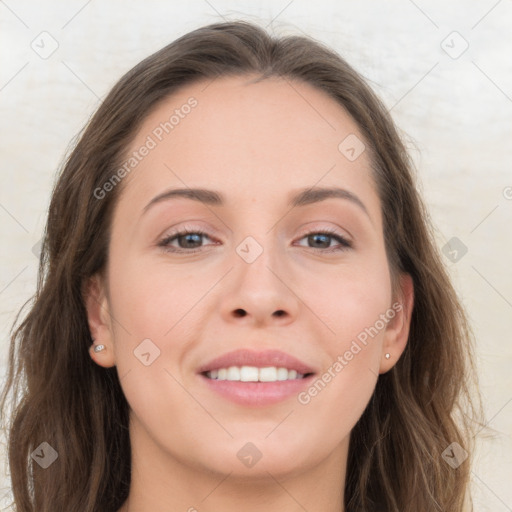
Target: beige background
453	104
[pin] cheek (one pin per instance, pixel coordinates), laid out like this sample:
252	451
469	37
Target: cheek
347	299
336	401
156	307
356	308
147	309
149	300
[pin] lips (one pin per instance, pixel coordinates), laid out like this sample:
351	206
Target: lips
256	378
262	359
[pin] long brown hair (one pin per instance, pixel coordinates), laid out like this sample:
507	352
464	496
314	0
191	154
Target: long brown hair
59	396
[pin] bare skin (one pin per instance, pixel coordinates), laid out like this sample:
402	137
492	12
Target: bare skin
257	144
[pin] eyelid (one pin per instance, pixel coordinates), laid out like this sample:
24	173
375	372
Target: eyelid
187	226
312	227
343	242
319	226
182	231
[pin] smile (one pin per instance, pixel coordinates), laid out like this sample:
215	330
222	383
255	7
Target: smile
254	374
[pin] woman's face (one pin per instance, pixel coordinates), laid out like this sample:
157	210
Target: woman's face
279	267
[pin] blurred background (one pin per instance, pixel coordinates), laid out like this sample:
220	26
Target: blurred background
440	67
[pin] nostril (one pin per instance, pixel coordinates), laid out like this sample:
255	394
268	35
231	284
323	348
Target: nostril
240	312
280	312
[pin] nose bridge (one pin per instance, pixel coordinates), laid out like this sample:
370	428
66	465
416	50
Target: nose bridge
257	260
259	289
261	244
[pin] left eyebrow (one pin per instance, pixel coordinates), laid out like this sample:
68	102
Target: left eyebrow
307	196
301	197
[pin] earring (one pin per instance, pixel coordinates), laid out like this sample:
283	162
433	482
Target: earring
99	348
388	356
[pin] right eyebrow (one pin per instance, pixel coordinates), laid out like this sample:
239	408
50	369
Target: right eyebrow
203	195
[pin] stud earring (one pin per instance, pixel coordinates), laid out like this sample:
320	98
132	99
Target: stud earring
99	348
388	356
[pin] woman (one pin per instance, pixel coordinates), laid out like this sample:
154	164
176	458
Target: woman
240	302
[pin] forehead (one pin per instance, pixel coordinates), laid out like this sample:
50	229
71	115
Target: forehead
240	135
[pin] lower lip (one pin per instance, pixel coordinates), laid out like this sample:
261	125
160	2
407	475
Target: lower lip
257	393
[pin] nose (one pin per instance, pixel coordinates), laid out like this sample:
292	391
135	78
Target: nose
260	292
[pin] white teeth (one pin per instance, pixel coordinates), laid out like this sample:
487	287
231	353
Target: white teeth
233	373
249	374
254	374
282	374
268	374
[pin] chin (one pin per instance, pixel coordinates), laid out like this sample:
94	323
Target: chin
248	457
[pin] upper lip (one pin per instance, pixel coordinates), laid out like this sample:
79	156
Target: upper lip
259	359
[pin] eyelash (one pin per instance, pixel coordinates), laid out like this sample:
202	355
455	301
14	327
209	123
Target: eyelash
164	243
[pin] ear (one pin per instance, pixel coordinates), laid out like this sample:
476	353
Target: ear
99	319
397	330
